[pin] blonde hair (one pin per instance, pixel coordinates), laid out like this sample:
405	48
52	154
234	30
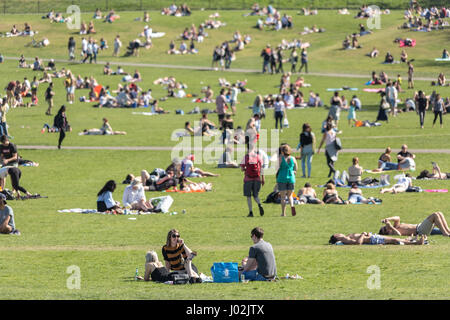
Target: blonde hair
286	149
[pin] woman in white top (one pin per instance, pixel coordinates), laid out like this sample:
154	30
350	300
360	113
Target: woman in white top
279	108
134	197
329	137
403	183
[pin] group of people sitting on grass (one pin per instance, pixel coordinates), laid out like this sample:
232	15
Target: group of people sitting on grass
176	11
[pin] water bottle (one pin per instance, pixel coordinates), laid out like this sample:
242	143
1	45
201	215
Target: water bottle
136	274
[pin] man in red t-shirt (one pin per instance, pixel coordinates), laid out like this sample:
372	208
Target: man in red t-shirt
252	165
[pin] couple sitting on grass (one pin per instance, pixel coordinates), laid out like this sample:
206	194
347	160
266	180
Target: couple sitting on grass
177	260
423	229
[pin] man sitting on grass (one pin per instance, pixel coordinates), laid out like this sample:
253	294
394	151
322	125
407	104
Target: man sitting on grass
7	225
369	238
426	227
260	264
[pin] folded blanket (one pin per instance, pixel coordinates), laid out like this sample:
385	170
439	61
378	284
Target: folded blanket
126	212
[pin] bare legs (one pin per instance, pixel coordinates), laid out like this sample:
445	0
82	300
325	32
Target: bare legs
283	195
439	220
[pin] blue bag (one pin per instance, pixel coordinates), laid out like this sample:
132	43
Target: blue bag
225	272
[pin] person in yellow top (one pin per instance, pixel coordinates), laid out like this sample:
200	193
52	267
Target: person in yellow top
4	107
69	83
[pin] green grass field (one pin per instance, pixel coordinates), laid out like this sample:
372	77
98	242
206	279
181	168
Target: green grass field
108	249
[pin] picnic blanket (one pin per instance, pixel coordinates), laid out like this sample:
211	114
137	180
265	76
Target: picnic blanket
436	190
343	88
144	113
441	59
374	90
183	191
362	187
403	44
78	210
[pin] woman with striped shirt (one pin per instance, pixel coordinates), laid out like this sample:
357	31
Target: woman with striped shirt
178	257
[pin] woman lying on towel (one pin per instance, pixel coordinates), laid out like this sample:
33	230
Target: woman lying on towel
355	196
435	174
106	129
369	238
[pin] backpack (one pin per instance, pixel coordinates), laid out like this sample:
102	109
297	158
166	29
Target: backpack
8	193
179	278
252	165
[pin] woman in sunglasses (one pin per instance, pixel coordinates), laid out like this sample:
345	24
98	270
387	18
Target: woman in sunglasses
178	257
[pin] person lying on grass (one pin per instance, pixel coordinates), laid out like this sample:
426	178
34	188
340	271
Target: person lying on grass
189	171
369	238
435	174
178	257
423	228
355	195
7	225
134	197
308	195
158	182
106	129
154	269
403	183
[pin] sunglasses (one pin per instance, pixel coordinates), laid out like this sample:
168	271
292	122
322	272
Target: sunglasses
175	236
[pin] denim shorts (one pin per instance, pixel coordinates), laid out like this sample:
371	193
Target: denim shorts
283	186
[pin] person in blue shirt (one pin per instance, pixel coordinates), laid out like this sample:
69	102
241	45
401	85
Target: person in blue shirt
105	201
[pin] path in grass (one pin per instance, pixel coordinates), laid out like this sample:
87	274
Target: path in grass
161	148
199	68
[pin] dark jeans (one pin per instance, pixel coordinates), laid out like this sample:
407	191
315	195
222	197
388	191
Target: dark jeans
330	164
279	117
436	114
304	64
4	130
62	135
422	117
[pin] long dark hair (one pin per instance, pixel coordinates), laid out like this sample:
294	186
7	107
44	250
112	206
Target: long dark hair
109	186
62	109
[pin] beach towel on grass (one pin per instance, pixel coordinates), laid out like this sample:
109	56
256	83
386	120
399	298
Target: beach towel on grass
403	44
361	187
182	191
374	90
436	190
441	59
78	210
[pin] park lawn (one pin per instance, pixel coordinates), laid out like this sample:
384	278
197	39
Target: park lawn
108	249
325	54
26	123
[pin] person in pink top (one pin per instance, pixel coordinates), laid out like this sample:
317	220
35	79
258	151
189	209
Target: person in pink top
252	165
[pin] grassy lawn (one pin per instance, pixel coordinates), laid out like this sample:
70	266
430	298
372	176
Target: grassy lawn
108	249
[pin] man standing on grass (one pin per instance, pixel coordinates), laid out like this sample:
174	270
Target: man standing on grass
252	165
7	225
410	75
49	94
260	264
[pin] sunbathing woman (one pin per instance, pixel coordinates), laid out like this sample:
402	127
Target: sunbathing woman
369	238
435	174
330	195
106	129
403	184
355	196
